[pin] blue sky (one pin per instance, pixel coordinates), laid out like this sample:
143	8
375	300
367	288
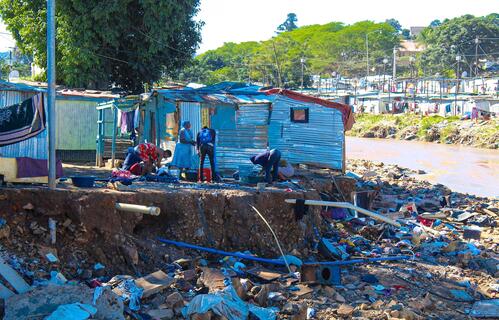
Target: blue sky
254	20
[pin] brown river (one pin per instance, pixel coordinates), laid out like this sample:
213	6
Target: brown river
462	169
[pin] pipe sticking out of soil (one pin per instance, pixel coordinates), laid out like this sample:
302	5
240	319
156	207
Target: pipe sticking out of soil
350	206
127	207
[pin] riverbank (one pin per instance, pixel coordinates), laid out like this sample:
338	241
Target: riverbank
447	130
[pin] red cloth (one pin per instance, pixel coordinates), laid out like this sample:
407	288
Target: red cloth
147	151
136	169
346	110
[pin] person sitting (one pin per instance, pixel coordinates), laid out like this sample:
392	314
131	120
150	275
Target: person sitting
269	160
142	159
286	170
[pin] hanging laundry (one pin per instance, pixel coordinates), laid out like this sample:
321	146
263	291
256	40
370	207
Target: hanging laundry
22	121
124	127
129	121
136	118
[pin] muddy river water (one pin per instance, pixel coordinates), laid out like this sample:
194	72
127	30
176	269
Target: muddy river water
462	169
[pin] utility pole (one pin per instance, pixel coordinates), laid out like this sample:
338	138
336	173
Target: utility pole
279	80
477	42
51	91
367	56
394	73
302	61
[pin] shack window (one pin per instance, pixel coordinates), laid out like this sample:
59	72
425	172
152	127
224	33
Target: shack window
299	115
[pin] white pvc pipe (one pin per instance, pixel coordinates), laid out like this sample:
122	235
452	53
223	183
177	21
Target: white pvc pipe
127	207
347	205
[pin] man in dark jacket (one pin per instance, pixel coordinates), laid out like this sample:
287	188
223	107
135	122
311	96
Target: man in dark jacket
205	145
269	160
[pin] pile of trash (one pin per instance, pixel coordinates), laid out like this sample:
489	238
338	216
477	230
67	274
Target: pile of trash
406	250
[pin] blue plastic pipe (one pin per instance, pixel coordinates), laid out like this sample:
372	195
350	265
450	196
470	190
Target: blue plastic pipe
278	262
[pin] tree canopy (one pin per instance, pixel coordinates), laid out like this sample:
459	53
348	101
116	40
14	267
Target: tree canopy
126	43
457	37
289	24
328	48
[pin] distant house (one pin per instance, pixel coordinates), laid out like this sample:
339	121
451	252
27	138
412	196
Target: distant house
247	120
410	48
415	31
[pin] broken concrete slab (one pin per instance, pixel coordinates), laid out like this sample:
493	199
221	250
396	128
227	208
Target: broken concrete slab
43	301
15	280
154	283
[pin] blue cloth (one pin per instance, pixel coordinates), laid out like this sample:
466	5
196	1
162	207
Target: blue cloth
182	158
132	158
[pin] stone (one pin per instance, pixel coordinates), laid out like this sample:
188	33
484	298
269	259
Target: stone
329	291
290	308
45	300
130	254
154	283
189	274
5	232
345	310
161	313
174	300
339	298
28	206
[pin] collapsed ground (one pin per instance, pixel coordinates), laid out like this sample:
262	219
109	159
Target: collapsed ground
94	241
448	130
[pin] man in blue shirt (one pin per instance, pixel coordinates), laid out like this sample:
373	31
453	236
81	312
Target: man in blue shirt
269	160
205	145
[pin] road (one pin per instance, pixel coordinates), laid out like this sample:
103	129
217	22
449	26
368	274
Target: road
462	169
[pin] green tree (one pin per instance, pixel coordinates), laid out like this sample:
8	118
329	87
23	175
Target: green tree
435	23
457	37
325	49
395	24
289	24
101	43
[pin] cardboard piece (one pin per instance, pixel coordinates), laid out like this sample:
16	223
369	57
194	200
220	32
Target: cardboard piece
154	283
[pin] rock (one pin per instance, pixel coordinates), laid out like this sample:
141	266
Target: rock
189	274
175	299
45	300
329	291
290	308
345	310
5	232
161	313
130	254
28	206
339	298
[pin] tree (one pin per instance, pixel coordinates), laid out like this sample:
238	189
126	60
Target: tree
435	23
457	37
395	24
124	43
406	34
289	24
328	48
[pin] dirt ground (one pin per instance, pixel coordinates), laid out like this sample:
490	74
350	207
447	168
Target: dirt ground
444	277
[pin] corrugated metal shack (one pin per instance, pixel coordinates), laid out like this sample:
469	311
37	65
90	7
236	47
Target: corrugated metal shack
307	130
76	123
35	147
238	113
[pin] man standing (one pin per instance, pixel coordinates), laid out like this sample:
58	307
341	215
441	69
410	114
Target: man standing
205	143
269	160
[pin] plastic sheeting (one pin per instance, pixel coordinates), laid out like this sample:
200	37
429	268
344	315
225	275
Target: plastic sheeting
227	303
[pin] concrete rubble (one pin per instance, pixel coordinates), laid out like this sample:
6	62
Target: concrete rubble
448	241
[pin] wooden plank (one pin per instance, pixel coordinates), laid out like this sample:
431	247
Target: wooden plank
5	292
14	279
154	283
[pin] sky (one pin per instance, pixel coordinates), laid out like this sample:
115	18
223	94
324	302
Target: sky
255	20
